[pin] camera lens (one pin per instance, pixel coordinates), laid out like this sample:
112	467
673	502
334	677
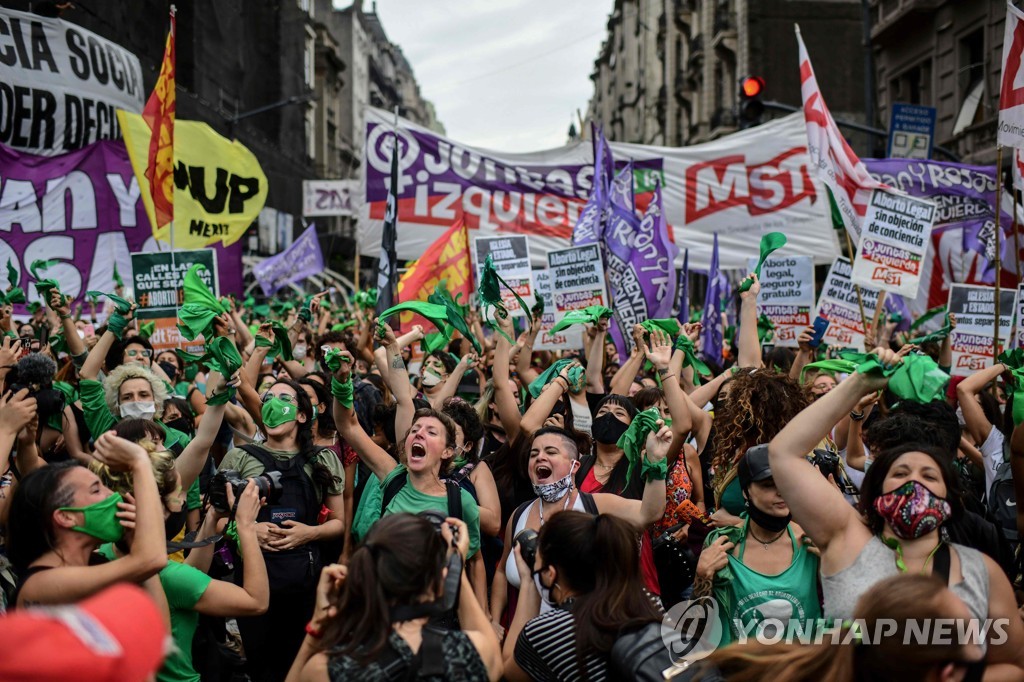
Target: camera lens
527	541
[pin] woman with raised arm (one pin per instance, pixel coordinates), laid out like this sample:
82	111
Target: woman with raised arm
62	513
987	428
909	492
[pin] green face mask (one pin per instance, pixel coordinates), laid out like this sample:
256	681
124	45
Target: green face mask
101	520
276	412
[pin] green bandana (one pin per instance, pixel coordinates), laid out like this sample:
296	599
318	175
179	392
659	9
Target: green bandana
366	299
633	440
186	357
669	325
117	322
306	311
577	377
918	378
333	358
490	294
44	286
765	329
249	303
343	392
589	315
15	295
1014	362
835	365
200	308
342	326
538	308
117	277
690	358
937	335
58	344
12	274
281	346
456	316
771	242
146	330
222	356
929	314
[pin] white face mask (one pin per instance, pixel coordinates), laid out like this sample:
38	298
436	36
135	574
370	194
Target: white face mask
430	379
299	351
138	410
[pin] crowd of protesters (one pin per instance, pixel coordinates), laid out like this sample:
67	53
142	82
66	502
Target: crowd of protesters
325	494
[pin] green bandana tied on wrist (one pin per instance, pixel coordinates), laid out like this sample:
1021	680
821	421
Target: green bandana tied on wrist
343	392
690	359
222	356
592	314
633	440
771	242
117	322
1014	362
918	378
577	377
200	308
280	347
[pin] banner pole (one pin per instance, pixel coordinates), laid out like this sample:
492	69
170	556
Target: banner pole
1016	241
356	278
999	265
856	287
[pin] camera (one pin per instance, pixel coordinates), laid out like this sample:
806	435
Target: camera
268	485
828	463
438	520
527	541
35	372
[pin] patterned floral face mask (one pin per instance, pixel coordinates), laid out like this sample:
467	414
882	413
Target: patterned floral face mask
912	510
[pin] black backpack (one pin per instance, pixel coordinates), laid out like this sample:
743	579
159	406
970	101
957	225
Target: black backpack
1001	499
643	655
399	481
292	570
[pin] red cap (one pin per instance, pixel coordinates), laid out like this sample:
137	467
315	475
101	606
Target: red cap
116	635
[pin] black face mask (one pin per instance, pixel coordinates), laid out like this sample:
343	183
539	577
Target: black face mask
772	524
607	429
174	523
169	369
183	424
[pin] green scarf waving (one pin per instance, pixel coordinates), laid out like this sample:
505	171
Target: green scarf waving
200	308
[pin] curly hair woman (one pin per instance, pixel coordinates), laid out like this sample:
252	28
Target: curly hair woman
758	405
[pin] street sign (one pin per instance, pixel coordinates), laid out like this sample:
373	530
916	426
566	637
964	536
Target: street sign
911	131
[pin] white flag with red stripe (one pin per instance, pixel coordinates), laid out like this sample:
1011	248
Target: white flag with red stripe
1011	90
838	166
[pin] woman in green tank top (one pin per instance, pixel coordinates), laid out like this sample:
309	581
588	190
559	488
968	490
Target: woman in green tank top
760	573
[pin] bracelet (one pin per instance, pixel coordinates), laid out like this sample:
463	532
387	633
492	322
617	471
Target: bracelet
663	377
312	631
857	416
63	316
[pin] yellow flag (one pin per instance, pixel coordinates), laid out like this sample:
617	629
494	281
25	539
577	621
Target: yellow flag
219	187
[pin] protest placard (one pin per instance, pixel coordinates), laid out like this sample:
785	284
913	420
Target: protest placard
511	257
974	308
1020	316
567	338
577	279
300	260
894	243
787	295
158	284
839	305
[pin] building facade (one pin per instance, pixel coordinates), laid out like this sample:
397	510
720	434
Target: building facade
669	70
948	55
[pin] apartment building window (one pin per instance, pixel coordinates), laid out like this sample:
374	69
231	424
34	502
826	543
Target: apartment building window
311	130
970	80
913	86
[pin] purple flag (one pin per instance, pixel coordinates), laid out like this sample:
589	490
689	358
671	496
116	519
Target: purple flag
84	210
894	304
300	260
589	226
711	337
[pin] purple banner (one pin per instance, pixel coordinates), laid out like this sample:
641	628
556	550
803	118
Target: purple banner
712	335
84	210
627	291
300	260
589	226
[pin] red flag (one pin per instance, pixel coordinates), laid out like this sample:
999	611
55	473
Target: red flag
159	116
448	259
838	166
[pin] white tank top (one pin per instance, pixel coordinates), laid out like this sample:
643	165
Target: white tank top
511	571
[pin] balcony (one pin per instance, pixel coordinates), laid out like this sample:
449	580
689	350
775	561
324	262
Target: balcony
696	60
889	16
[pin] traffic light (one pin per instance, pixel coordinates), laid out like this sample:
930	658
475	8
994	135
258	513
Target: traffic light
751	106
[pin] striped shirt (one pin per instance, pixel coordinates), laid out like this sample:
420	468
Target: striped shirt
546	650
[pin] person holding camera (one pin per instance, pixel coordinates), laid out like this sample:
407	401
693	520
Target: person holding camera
762	569
190	591
586	568
297	479
910	492
372	616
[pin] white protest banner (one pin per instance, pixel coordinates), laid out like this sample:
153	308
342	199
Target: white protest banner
329	197
894	243
1010	131
838	304
567	339
60	85
787	295
511	257
740	186
577	280
974	308
1020	316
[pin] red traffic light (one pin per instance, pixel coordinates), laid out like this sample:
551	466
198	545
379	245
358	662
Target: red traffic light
752	86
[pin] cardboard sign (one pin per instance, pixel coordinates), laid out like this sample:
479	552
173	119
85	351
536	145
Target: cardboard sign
567	339
974	307
511	257
838	304
577	280
894	243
